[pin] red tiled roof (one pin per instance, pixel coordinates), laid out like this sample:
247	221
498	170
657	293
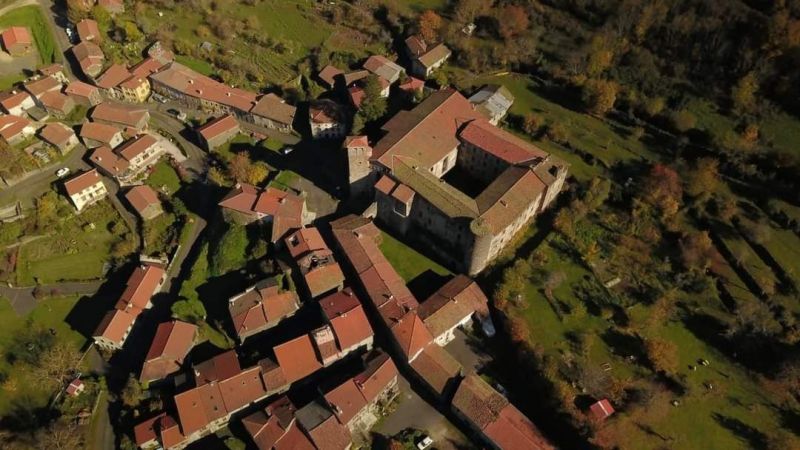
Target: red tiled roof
325	111
114	325
56	133
403	193
272	374
171	344
136	146
141	197
57	101
90	57
51	69
88	30
416	45
170	432
242	389
325	343
500	143
323	278
434	55
16	35
357	95
303	241
221	367
146	67
218	126
346	401
199	406
13	99
80	182
99	132
297	358
257	309
42	85
117	113
356	141
146	431
241	198
376	377
436	367
193	84
105	158
329	73
330	435
513	431
142	284
274	108
347	318
459	298
411	335
601	409
412	85
12	126
113	76
276	428
80	89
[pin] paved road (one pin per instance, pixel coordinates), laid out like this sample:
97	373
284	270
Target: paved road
23	301
39	183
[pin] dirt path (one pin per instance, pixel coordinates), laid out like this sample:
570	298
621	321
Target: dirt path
16	5
23	301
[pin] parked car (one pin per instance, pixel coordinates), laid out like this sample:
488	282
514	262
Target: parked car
62	172
287	150
424	443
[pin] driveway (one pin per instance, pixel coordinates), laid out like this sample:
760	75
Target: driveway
23	301
414	412
468	350
37	184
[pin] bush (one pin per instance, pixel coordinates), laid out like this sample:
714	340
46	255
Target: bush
230	252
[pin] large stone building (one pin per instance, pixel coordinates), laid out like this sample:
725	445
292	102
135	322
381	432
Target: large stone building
458	183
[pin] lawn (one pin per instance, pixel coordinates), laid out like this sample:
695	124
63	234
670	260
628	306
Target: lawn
164	175
406	261
198	65
8	81
50	313
284	179
607	141
31	17
75	252
749	259
784	247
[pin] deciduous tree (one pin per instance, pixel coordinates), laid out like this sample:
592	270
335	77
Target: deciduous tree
743	94
512	21
663	355
429	24
599	95
703	178
662	189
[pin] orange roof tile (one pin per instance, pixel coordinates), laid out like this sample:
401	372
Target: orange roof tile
80	182
380	372
141	197
346	401
56	133
297	358
347	318
411	335
114	325
16	35
218	126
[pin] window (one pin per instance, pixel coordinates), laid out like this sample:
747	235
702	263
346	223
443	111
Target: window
400	208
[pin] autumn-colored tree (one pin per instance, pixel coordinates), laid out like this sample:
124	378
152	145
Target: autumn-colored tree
429	24
61	435
697	250
512	21
531	123
78	10
703	178
564	223
599	95
257	173
663	355
750	133
662	189
55	364
132	394
654	106
683	120
599	57
239	167
743	95
467	10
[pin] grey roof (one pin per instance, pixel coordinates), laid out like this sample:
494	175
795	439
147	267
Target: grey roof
493	99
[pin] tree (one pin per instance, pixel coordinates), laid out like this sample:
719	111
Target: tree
663	355
599	96
703	178
218	177
467	10
531	123
743	94
696	250
78	10
654	106
189	310
257	173
429	24
374	105
56	364
239	167
46	207
132	33
132	394
102	17
758	232
61	435
512	20
662	189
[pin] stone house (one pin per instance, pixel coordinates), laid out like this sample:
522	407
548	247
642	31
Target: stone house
85	189
59	136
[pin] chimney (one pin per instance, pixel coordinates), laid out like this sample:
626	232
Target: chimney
191	81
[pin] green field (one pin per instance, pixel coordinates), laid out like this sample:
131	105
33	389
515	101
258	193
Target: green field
749	259
408	263
76	252
784	247
164	175
195	64
50	313
31	17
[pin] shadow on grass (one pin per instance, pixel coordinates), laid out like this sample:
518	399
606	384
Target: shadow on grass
755	438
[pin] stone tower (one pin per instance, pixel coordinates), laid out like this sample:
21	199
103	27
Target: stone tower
358	168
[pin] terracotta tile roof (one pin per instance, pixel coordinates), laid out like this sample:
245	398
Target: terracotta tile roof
261	307
403	193
500	143
601	409
142	285
136	146
513	431
199	406
426	133
42	85
57	101
352	77
346	401
242	389
274	108
218	126
325	343
383	67
297	358
285	208
437	368
459	298
193	84
241	198
88	30
275	427
508	196
170	432
379	373
90	57
56	133
434	55
416	45
478	401
141	197
117	113
146	67
326	111
411	335
221	367
10	100
51	69
80	89
412	85
347	318
330	435
99	132
171	344
356	141
16	35
114	325
303	241
272	374
79	183
357	95
329	73
323	278
113	76
147	430
105	158
12	126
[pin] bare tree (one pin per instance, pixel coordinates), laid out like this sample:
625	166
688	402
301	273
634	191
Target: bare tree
55	364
